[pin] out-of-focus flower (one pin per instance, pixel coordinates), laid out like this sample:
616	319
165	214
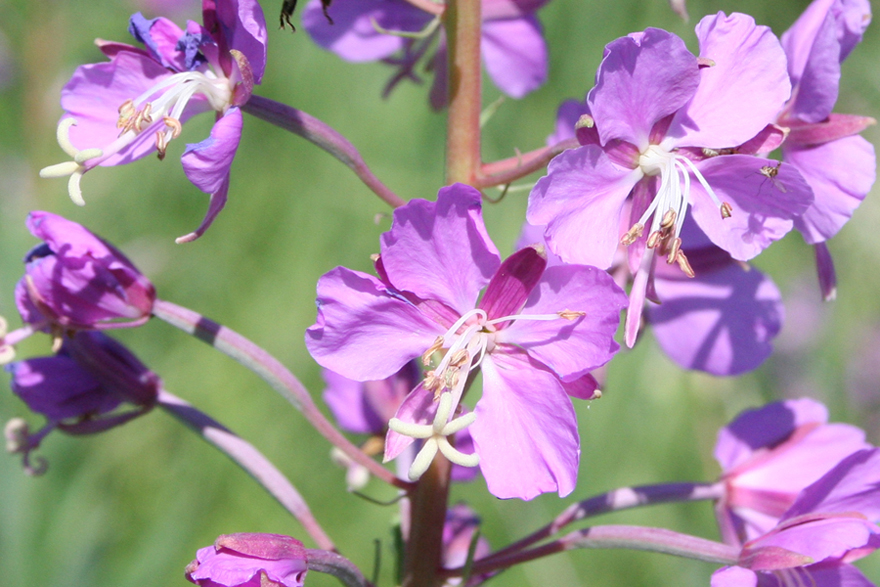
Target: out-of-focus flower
512	44
831	524
250	560
135	104
839	166
77	281
655	141
768	456
79	390
536	334
458	533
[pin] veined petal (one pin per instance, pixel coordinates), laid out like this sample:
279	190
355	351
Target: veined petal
740	94
571	348
364	331
816	73
764	208
641	81
515	54
511	285
160	36
818	538
721	322
353	36
207	163
580	200
841	174
441	251
526	430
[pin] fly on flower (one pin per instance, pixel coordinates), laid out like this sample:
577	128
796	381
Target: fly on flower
770	172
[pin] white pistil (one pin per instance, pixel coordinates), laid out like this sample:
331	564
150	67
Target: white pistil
435	435
7	352
137	115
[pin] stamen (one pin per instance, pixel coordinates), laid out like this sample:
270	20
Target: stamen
632	234
653	239
426	356
726	210
668	219
684	265
571	314
174	125
161	145
673	251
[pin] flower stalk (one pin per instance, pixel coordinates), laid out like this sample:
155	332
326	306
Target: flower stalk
322	135
463	21
272	372
251	460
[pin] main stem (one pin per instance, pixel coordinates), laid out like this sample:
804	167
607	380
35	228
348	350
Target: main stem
462	21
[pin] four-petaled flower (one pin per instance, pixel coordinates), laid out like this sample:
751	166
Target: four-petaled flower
671	131
535	333
121	110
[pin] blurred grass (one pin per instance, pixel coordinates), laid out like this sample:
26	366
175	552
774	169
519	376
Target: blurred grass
130	507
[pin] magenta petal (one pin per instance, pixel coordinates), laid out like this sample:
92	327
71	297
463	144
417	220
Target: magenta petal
567	115
243	27
580	200
511	285
734	577
819	539
837	575
441	251
815	73
352	35
852	486
160	36
526	430
721	322
347	400
571	348
764	208
418	407
207	163
825	271
93	97
640	81
582	388
363	331
841	174
515	54
740	94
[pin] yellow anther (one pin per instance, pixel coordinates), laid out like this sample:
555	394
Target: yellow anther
668	219
632	234
673	251
653	239
684	265
571	314
426	356
726	210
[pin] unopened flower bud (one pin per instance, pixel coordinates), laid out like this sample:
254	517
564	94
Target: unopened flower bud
250	560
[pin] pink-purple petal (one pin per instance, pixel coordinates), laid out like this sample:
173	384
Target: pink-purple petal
207	163
526	430
441	251
243	27
352	35
721	322
580	200
820	539
734	577
364	331
764	208
571	348
640	81
515	54
841	174
418	407
739	95
852	486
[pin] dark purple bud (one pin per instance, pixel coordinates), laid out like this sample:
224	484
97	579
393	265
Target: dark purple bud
77	281
511	285
250	560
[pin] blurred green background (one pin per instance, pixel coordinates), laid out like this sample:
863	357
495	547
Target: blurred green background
131	506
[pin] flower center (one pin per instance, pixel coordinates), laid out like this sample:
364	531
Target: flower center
161	113
668	209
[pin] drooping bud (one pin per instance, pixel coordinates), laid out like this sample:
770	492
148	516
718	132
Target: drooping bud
76	281
250	559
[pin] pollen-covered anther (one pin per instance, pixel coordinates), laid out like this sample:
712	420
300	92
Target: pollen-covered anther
653	239
726	210
174	125
668	220
436	346
126	112
585	121
143	117
571	314
684	264
632	234
674	250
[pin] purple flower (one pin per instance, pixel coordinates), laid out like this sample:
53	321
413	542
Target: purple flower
661	123
77	281
458	532
80	389
840	167
831	524
121	110
769	455
250	560
512	45
535	333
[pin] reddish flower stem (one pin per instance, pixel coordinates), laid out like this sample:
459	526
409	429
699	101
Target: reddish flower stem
630	537
337	565
251	460
322	135
511	169
463	24
612	501
272	372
